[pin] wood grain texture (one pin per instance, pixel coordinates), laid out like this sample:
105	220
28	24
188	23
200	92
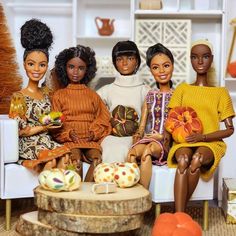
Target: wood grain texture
126	201
91	223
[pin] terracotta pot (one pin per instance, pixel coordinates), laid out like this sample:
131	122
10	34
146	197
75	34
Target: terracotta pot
105	26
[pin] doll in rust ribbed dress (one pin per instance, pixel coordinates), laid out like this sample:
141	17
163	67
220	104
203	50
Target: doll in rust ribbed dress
87	118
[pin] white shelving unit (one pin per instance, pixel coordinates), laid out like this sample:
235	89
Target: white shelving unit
73	22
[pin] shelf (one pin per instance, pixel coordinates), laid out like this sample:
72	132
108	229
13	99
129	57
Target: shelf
217	14
103	37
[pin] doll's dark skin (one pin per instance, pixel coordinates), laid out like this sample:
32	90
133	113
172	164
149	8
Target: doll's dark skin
189	159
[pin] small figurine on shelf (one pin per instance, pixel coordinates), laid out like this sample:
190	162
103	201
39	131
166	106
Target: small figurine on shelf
37	150
201	153
148	141
87	118
128	90
107	26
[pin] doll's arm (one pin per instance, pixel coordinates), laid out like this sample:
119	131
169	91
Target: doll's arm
101	126
214	136
140	132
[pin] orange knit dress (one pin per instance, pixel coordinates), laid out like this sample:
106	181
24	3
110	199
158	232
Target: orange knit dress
85	112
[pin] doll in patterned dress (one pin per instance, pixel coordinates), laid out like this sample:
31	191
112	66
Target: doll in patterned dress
37	150
201	153
148	142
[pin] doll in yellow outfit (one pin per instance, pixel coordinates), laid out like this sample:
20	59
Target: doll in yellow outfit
201	153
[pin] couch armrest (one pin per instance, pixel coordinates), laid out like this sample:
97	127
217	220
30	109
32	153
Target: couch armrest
9	140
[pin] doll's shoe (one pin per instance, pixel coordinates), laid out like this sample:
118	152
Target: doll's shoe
107	187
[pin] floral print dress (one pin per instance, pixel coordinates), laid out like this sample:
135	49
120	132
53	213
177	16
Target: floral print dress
38	148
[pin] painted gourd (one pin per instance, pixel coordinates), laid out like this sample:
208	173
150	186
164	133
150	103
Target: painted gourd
177	224
124	174
181	122
59	180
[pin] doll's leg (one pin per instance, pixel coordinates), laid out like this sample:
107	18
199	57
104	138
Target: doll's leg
183	157
151	149
94	156
202	156
63	161
76	160
135	153
50	164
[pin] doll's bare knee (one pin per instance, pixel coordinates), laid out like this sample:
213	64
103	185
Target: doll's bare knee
183	163
196	162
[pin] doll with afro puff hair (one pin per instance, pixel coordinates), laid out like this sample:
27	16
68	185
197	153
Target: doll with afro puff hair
87	118
37	150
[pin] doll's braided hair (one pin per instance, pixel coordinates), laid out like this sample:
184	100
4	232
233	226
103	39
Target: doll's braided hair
36	36
84	53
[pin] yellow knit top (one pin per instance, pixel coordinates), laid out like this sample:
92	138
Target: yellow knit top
213	105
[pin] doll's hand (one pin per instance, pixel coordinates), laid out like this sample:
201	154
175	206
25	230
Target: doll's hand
193	138
136	137
91	136
74	136
52	128
155	135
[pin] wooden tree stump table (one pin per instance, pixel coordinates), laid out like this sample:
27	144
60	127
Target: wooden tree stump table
80	212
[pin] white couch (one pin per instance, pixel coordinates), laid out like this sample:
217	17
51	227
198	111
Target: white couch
18	182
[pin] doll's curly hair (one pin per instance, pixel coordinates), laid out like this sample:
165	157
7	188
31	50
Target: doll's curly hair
36	36
84	53
158	49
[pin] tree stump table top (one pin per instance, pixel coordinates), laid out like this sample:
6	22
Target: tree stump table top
126	201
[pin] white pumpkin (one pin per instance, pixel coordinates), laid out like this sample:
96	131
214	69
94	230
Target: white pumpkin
104	172
72	180
126	174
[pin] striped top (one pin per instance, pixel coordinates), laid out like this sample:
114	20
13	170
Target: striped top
85	112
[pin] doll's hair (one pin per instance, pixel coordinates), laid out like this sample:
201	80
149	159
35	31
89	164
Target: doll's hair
36	36
211	74
84	53
127	48
159	49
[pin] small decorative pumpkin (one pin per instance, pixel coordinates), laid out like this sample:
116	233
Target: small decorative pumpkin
124	121
59	180
177	224
104	172
181	122
232	69
124	174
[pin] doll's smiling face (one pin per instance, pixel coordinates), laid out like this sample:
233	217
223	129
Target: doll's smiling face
201	58
36	65
161	68
76	69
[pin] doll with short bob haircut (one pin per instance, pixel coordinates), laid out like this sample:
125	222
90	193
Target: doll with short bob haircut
87	118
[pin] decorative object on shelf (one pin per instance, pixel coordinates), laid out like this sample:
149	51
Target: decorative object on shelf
182	122
150	4
231	67
177	224
124	174
59	180
229	200
105	26
174	34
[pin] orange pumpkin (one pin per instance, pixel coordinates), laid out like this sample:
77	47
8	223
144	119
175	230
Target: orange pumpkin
181	122
232	69
177	224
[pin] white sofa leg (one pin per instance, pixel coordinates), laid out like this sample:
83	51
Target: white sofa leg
205	215
158	209
8	214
